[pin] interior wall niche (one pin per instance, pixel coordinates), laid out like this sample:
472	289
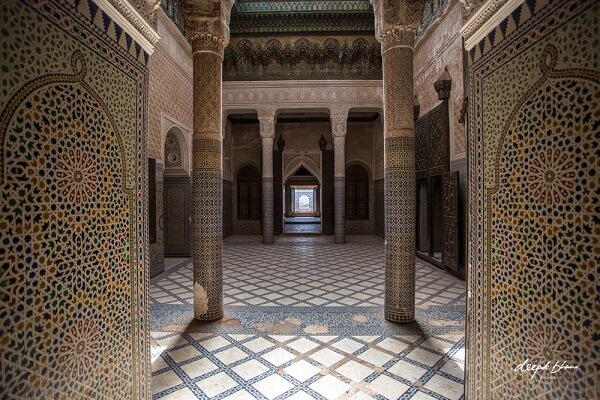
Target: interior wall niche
175	152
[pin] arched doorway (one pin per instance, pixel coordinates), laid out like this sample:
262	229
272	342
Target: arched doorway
249	193
357	193
302	202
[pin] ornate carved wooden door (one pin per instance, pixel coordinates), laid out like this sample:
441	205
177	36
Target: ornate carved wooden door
177	216
451	252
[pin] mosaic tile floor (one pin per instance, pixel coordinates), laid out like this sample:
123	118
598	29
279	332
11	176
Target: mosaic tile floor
304	321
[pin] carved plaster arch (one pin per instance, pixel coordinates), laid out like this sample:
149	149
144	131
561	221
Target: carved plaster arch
357	161
177	133
301	161
245	164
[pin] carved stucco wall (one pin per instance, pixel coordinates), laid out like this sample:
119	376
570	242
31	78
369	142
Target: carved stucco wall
359	143
73	250
303	94
170	85
169	104
441	46
246	145
304	135
534	198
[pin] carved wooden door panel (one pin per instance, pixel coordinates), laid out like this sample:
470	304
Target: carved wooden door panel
177	216
450	219
421	146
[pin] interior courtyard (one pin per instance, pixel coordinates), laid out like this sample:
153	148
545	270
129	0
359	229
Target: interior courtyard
299	199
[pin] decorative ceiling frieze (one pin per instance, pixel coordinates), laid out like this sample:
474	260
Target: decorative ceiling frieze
303	59
263	16
262	6
248	24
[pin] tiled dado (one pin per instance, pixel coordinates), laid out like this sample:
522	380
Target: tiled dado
239	366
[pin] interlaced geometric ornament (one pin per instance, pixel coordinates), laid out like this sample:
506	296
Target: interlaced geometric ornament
173	155
207	228
400	229
542	216
65	227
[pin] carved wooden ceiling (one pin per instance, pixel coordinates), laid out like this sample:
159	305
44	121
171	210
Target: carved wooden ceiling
303	39
331	17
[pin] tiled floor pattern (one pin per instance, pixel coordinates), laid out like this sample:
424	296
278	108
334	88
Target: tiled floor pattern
355	360
292	274
200	365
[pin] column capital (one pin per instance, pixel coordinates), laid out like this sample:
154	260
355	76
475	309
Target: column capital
338	112
266	112
396	21
207	24
266	118
267	129
399	36
338	128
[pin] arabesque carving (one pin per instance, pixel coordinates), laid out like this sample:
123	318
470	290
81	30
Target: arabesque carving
397	20
207	25
302	60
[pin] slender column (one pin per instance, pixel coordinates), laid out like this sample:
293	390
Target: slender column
396	25
208	36
338	131
267	132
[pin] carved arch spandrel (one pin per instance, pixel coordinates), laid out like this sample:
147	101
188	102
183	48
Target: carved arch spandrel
301	160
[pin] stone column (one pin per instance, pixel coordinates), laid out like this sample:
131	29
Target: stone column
267	133
338	131
396	22
207	26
